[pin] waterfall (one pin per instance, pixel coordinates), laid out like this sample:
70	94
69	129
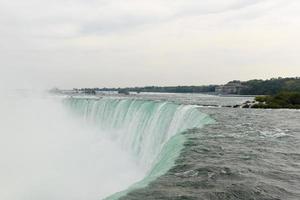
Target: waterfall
148	130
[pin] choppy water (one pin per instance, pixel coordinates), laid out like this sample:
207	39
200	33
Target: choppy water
246	154
150	131
158	146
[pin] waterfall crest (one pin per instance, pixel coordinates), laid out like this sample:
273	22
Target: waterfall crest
148	130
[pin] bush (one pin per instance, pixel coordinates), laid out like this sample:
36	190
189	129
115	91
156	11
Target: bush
280	100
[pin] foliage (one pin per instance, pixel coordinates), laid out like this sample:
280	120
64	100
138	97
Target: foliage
251	87
89	91
123	91
170	89
280	100
270	87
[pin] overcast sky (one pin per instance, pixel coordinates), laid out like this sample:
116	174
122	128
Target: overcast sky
87	43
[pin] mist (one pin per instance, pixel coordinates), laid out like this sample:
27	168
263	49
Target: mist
48	154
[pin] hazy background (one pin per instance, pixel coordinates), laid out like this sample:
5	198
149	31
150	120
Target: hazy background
87	43
49	154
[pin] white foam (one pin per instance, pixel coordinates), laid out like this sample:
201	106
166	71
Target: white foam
47	155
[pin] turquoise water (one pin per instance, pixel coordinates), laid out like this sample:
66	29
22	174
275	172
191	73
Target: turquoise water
151	131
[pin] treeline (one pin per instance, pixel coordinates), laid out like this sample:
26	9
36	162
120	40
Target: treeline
175	89
270	87
252	87
172	89
280	100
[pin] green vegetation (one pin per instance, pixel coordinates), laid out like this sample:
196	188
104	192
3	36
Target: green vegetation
252	87
278	92
270	87
123	91
89	91
280	100
175	89
170	89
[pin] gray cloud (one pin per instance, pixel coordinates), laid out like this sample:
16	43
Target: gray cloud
139	42
127	21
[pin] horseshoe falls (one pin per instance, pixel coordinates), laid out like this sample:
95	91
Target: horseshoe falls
55	148
146	146
151	132
47	154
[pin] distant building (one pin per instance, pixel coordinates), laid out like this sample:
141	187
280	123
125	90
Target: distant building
232	87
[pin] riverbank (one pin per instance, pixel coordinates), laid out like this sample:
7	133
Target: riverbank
288	100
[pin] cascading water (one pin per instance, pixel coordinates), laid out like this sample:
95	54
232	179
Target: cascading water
148	130
48	152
